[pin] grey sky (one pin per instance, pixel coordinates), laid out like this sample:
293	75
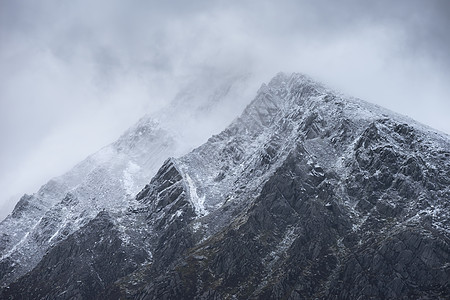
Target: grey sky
75	74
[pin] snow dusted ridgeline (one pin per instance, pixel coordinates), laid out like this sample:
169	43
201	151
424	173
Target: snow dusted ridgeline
308	194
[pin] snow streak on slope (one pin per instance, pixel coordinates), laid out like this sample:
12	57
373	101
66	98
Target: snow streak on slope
197	202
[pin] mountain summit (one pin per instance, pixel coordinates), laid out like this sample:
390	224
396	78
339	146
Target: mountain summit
308	194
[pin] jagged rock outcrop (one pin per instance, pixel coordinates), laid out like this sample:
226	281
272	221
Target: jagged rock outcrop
307	195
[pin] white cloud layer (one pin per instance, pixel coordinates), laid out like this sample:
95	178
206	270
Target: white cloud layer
75	74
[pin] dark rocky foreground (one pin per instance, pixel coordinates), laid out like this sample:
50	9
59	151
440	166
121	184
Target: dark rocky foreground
333	203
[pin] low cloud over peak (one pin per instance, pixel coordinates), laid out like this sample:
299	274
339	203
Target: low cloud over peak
76	74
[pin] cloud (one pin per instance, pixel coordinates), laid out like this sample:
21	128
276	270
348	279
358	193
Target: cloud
80	72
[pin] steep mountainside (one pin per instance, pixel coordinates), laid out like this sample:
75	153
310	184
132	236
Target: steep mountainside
308	194
107	180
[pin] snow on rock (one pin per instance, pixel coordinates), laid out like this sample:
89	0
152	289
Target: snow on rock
197	202
131	170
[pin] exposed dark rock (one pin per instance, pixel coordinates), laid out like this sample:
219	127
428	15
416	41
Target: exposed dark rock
80	267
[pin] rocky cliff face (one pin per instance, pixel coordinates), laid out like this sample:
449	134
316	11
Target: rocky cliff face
309	194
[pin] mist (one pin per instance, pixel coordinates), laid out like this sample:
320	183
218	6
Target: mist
75	75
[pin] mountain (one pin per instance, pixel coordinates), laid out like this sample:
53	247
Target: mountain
109	179
308	194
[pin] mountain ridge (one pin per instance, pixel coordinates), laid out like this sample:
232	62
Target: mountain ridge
307	195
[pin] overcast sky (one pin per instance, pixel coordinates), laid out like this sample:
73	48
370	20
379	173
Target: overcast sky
75	74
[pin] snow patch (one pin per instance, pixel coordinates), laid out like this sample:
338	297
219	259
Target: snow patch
54	235
197	202
128	181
